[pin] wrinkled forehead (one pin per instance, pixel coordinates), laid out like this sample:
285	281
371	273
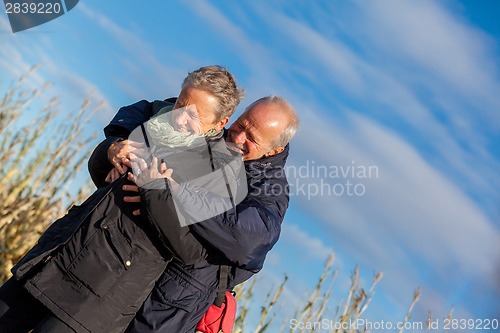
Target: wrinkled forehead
204	103
189	110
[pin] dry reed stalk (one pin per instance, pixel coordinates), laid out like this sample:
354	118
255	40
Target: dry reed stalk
38	164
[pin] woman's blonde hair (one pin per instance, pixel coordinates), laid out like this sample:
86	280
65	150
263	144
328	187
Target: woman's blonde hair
220	83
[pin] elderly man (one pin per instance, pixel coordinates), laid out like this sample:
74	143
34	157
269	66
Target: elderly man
185	291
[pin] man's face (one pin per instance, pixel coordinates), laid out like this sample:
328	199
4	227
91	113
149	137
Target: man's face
256	129
194	111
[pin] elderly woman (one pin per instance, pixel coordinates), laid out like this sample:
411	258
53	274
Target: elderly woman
94	267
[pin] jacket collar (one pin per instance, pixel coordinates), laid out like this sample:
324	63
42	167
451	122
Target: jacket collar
215	136
266	163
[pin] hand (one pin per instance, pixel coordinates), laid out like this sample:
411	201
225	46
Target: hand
119	154
144	174
135	198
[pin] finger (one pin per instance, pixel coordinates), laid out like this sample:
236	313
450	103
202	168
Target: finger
163	166
136	198
154	164
137	148
136	212
142	164
121	169
126	162
167	173
133	157
117	163
112	176
131	177
115	174
130	188
118	166
136	169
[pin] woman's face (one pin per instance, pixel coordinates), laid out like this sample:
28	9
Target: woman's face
194	111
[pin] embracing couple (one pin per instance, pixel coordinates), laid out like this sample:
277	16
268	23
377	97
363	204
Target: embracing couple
151	250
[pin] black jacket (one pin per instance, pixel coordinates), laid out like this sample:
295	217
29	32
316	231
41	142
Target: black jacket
94	267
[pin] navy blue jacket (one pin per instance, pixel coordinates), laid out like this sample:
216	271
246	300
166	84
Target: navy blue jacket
241	237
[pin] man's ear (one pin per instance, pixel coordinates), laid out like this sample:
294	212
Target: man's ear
221	123
274	151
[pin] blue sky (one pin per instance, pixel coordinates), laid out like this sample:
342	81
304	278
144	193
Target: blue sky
408	88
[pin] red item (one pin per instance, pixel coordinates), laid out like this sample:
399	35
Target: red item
219	319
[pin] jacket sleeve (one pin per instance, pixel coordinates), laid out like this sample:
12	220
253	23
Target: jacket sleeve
158	207
243	235
128	118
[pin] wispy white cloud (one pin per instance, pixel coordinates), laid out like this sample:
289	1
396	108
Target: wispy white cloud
431	207
12	59
386	92
440	46
18	55
255	57
410	213
338	62
74	89
312	248
4	24
455	63
146	76
52	78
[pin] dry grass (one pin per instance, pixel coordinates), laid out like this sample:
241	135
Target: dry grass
316	305
39	160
